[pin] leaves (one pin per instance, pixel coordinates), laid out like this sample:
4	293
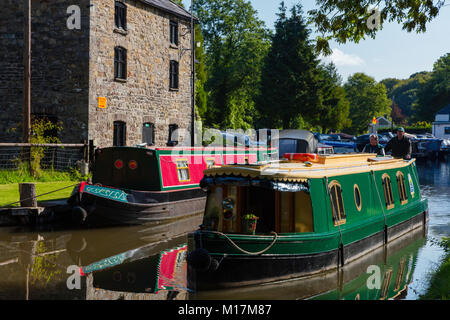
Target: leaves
347	20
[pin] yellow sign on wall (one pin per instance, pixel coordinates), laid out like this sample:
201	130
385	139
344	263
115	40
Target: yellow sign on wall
102	102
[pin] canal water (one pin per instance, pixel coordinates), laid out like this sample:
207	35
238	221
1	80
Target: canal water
147	262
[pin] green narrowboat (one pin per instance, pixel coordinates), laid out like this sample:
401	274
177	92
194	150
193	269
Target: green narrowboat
300	216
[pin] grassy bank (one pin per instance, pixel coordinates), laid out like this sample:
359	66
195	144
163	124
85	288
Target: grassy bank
440	280
10	192
23	175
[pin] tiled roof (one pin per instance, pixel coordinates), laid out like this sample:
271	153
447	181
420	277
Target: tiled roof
170	7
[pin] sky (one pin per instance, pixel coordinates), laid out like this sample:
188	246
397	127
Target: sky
394	53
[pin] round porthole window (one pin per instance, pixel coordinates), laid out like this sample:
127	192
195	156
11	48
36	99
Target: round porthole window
357	197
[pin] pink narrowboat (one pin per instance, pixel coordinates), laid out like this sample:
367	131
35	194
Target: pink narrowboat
133	185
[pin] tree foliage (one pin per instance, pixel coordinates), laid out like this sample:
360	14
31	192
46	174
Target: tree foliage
367	98
348	20
236	41
435	93
290	75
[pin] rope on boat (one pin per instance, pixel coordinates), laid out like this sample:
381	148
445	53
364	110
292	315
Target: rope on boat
245	251
43	194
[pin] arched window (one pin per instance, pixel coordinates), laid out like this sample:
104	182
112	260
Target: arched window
337	203
358	201
389	198
402	188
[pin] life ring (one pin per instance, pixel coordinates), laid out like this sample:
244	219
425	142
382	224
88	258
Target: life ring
313	157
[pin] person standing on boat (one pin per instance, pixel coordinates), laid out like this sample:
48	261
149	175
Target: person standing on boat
374	146
400	145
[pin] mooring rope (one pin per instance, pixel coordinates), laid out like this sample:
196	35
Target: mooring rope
43	194
242	250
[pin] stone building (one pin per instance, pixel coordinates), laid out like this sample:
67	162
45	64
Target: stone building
115	72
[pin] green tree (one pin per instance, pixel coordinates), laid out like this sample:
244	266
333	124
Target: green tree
235	42
335	109
290	83
435	93
367	98
404	92
347	20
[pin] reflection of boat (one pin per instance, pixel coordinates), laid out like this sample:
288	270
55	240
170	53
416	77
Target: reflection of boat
313	214
357	280
137	185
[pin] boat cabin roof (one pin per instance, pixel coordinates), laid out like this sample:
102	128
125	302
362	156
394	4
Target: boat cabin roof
299	171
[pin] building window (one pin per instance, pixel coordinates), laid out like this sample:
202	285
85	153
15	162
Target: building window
447	130
120	134
388	191
402	188
148	133
120	63
357	197
183	170
121	15
174	33
173	76
173	135
337	204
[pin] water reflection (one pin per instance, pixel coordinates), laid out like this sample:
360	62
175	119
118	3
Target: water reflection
394	263
34	264
126	262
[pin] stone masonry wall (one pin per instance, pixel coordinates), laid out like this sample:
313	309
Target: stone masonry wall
59	69
145	96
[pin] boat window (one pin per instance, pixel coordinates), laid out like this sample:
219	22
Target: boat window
337	203
303	212
229	222
402	188
183	170
213	208
389	198
210	162
357	197
286	212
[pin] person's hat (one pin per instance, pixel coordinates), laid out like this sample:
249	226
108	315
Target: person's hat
401	129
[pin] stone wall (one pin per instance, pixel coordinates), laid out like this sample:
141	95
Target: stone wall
59	69
145	96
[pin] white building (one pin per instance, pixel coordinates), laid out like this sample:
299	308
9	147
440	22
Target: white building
441	124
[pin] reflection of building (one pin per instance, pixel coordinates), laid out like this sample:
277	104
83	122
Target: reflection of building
122	76
441	124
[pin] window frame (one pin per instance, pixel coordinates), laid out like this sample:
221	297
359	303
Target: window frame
120	15
182	168
339	217
402	188
174	75
173	32
356	189
390	203
209	159
120	63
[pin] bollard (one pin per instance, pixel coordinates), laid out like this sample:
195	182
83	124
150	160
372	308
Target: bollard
27	191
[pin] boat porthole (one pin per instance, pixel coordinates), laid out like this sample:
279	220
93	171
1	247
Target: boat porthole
117	276
357	197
